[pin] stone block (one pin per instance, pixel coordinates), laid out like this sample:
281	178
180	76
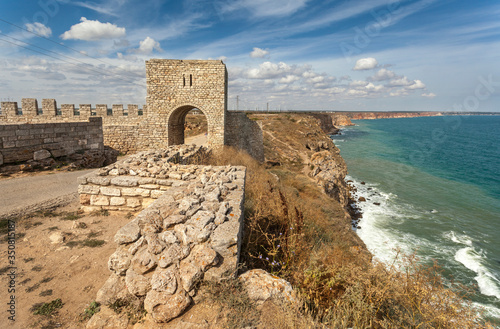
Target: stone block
110	191
133	203
117	201
125	181
41	155
89	189
99	200
155	194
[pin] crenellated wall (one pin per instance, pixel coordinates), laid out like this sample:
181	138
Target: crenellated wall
121	126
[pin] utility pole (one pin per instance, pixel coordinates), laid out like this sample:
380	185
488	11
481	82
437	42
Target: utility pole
268	107
237	103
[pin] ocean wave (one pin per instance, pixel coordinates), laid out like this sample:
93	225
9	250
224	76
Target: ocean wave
458	238
488	284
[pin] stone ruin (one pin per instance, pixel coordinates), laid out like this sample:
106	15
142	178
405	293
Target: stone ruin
190	228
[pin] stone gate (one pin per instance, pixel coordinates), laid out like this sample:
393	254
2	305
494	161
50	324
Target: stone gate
174	87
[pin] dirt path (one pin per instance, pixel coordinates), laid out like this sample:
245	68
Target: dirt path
198	140
34	193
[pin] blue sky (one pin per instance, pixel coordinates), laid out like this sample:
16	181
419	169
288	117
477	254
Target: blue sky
376	55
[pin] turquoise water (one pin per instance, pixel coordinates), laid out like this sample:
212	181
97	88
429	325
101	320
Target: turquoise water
437	180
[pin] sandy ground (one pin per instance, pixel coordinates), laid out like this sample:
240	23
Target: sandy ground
69	270
198	140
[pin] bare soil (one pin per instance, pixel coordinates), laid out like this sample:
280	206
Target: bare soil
73	270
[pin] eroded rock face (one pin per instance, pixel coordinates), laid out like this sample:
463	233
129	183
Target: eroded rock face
168	247
261	286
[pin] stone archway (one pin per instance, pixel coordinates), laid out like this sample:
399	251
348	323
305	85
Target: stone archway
176	121
174	87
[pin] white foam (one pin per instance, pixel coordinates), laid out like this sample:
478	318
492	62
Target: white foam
458	238
488	284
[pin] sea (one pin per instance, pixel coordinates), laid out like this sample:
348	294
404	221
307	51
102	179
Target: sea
432	187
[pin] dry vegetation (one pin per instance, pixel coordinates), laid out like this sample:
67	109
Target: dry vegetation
295	231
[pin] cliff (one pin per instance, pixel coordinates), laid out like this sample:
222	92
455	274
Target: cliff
387	115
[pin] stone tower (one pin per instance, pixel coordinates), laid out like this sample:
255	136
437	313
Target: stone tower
174	87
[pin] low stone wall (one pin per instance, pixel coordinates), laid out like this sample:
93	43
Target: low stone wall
192	231
23	142
135	182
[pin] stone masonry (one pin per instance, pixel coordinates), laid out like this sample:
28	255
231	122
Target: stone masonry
192	230
174	87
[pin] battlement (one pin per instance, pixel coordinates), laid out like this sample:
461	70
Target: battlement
30	112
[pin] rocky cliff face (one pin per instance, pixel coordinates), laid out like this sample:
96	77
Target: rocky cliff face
388	115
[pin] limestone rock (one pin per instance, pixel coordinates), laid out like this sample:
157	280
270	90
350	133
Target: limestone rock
125	181
56	237
164	281
107	319
173	255
128	233
143	261
136	245
173	220
112	289
262	286
41	155
164	307
169	237
137	284
119	261
155	244
1	158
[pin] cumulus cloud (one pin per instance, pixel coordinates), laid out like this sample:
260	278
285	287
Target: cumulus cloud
365	64
429	95
400	82
147	46
89	30
417	84
382	74
289	79
268	70
259	53
39	28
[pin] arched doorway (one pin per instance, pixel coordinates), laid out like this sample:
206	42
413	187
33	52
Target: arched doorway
187	121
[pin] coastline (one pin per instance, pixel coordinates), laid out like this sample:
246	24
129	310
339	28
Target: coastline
451	240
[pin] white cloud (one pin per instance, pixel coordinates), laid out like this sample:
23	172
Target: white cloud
147	46
358	83
268	70
365	64
429	95
89	30
289	79
400	82
39	28
259	53
417	84
374	88
382	74
266	8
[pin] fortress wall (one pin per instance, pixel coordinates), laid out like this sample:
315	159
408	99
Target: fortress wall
244	134
120	125
37	141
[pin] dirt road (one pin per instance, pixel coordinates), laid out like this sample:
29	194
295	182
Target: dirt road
33	193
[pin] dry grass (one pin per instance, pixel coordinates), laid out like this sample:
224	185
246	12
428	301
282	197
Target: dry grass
295	231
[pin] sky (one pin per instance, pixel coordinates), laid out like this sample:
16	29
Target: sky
336	55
